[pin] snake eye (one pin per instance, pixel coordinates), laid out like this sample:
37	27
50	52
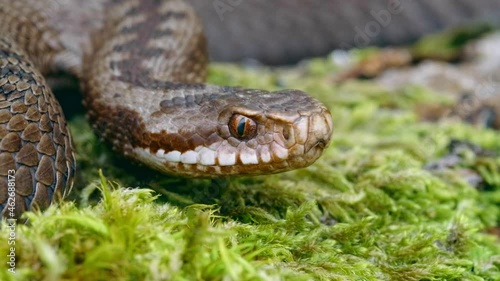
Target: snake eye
242	127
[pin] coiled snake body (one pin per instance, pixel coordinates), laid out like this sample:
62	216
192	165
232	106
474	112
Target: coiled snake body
142	64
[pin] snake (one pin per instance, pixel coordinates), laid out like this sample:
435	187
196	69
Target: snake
142	66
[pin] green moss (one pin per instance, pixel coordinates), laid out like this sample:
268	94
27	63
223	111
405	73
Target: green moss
367	210
448	45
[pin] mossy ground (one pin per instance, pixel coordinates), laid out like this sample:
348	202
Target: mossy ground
366	210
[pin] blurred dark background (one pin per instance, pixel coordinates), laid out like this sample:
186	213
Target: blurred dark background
284	31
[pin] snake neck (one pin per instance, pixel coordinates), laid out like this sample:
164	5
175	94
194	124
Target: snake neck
152	43
148	53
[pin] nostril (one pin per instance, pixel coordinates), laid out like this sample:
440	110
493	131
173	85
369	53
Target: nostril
286	133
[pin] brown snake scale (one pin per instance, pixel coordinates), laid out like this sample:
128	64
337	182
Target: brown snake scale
142	64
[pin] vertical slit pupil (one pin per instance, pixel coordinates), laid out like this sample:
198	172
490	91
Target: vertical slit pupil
241	127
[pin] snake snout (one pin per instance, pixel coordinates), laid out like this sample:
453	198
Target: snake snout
319	134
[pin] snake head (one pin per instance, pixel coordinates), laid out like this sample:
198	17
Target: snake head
272	132
233	131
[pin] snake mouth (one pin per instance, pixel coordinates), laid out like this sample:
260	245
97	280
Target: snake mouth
321	144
